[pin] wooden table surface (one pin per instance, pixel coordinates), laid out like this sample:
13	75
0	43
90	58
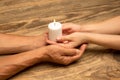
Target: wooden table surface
31	17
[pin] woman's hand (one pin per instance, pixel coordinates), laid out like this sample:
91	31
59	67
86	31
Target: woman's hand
70	41
73	40
69	28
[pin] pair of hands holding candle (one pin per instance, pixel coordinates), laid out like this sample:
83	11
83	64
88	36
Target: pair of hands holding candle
106	33
33	50
71	36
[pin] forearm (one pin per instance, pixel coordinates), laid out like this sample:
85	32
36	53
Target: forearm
111	26
10	65
110	41
16	44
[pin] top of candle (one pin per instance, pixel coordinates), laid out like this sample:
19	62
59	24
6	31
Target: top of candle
55	25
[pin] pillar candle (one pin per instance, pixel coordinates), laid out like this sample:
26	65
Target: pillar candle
55	30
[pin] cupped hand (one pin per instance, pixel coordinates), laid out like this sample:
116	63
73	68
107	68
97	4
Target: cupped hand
61	55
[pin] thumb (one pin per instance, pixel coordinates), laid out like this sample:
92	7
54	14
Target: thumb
82	48
75	52
71	52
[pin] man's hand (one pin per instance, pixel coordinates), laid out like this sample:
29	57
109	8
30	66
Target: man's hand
16	44
38	41
61	55
10	65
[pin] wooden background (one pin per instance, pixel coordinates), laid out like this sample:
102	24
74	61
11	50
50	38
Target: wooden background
31	17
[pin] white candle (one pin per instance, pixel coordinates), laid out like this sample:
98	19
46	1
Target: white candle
55	30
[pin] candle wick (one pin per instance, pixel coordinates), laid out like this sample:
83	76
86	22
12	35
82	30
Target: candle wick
54	22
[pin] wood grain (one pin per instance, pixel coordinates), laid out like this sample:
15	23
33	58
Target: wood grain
31	17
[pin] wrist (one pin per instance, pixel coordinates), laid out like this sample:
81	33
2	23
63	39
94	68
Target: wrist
86	37
40	53
36	42
90	37
33	56
92	28
29	58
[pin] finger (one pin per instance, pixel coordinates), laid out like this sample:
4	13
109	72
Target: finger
74	58
65	42
63	38
69	59
51	42
46	33
70	52
64	45
68	44
73	44
48	41
82	48
66	31
46	36
65	26
70	31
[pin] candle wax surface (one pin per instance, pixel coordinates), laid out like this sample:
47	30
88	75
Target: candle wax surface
55	30
55	25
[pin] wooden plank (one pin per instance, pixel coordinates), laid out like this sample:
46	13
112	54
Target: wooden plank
31	17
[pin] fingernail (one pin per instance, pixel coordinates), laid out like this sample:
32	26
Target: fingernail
65	42
58	38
